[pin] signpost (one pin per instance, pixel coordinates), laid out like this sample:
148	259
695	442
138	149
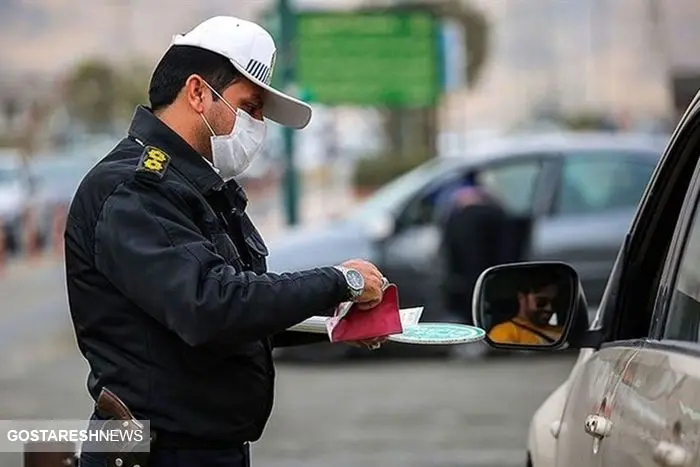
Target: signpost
386	58
291	185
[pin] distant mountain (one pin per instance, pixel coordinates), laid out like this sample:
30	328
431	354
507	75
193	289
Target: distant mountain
603	54
49	35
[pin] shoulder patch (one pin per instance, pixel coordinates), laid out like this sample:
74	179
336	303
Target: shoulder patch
153	160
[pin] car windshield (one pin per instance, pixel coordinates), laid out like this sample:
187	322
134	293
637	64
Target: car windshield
397	191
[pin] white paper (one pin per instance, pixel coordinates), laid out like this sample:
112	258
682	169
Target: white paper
410	316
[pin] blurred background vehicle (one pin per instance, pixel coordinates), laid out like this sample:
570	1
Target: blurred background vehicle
15	190
55	178
580	191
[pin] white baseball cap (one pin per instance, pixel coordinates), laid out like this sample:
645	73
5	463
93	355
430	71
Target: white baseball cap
252	51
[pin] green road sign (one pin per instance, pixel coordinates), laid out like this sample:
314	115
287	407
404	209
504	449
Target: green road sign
383	58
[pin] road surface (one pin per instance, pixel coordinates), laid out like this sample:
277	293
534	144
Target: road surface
371	413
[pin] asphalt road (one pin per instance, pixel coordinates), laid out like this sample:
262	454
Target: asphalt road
371	413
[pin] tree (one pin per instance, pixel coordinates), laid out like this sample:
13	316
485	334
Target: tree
133	88
477	36
99	96
476	28
423	122
92	95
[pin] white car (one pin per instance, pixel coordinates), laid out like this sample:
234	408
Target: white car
633	396
546	423
14	195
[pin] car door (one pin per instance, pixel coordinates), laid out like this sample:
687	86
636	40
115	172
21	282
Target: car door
410	257
598	192
620	411
658	415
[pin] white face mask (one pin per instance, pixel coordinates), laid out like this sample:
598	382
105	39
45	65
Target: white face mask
232	154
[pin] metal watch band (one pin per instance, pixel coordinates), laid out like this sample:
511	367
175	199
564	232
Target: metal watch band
352	293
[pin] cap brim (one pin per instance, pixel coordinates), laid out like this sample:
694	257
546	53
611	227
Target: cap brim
280	107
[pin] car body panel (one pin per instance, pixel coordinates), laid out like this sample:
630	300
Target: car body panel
656	406
308	247
545	426
592	392
541	442
409	259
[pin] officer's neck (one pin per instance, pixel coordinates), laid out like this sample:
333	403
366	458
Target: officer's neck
186	129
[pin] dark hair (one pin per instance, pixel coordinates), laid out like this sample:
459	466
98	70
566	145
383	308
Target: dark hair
538	282
182	61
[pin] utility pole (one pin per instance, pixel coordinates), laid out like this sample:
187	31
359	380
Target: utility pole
291	183
657	35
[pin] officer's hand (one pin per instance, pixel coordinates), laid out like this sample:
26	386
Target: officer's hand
374	283
369	344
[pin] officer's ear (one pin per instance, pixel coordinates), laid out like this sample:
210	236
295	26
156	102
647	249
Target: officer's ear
197	93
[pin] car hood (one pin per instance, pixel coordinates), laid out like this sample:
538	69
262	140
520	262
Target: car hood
320	245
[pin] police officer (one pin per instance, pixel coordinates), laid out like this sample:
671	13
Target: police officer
169	295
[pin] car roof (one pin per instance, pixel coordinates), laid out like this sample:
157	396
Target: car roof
514	145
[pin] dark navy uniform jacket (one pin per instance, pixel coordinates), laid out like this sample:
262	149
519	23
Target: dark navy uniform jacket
168	290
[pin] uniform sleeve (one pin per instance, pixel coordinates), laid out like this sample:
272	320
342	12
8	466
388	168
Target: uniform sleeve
150	250
294	339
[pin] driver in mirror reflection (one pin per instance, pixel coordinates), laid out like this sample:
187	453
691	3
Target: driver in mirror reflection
533	325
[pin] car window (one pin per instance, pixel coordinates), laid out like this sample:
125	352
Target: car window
683	320
513	184
431	204
593	183
393	195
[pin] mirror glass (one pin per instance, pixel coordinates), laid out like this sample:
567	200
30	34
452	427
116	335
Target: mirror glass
526	304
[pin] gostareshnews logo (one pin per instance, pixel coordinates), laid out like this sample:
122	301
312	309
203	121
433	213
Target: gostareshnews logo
59	435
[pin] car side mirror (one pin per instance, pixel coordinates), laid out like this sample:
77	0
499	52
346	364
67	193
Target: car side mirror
530	306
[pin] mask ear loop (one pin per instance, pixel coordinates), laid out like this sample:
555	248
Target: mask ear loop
207	124
235	112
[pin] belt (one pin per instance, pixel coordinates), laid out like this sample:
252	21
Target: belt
178	441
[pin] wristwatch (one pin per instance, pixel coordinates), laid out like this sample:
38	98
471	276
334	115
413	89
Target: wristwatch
354	281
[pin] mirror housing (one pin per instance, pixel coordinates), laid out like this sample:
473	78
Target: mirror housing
530	306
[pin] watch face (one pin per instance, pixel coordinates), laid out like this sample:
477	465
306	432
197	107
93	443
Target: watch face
355	280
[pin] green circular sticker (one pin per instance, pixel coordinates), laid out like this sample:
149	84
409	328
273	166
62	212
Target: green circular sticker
439	334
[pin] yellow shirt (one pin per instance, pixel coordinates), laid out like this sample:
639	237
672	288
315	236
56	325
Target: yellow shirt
510	333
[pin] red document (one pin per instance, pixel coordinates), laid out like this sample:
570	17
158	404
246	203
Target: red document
353	324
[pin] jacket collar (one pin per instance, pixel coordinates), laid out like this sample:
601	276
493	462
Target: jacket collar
150	130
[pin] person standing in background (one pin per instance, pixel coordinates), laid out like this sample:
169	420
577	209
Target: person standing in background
474	223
